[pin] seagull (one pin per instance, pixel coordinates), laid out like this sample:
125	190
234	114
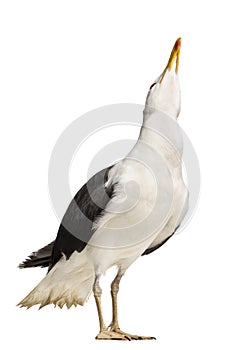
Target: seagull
125	211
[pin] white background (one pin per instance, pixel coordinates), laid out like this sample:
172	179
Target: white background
60	59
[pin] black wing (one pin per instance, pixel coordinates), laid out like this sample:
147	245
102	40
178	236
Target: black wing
76	227
41	258
157	246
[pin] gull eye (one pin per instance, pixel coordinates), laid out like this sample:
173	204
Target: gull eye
152	85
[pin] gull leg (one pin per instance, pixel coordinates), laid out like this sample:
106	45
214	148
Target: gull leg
104	333
114	293
97	291
114	326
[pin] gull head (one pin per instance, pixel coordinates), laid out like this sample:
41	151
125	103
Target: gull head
164	94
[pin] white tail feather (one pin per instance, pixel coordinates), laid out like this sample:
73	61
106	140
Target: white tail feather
69	282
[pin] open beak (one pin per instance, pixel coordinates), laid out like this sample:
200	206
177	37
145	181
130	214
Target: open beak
175	55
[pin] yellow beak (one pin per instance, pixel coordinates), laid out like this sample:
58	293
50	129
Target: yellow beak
175	55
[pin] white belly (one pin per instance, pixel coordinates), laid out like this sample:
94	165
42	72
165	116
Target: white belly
179	210
135	220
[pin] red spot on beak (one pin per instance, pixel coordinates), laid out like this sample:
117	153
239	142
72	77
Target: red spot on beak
178	44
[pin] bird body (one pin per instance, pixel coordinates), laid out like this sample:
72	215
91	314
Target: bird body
125	211
118	239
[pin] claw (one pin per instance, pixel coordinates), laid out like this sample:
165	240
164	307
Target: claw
132	336
117	334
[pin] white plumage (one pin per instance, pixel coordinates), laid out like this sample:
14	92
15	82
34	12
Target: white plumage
149	202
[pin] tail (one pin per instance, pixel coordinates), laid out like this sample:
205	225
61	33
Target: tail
68	283
40	258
